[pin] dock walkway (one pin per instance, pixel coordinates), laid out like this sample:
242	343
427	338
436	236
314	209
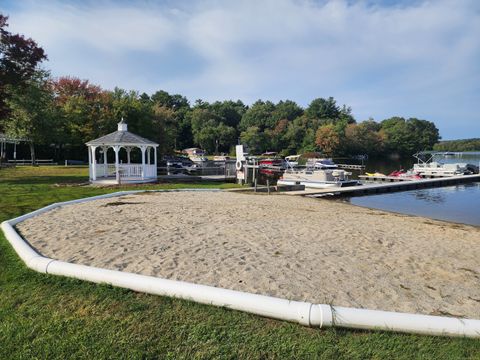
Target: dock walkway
351	166
383	178
386	187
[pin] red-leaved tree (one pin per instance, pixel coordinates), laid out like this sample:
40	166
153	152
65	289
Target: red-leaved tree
19	57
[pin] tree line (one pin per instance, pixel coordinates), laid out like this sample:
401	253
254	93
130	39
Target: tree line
458	145
64	113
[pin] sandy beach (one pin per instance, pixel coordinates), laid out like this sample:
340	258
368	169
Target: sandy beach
297	248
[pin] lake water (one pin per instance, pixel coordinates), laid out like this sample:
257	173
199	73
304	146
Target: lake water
459	203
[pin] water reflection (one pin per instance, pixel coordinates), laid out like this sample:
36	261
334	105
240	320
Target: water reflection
428	196
458	203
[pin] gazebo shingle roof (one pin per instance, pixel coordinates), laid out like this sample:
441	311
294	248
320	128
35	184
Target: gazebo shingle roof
121	138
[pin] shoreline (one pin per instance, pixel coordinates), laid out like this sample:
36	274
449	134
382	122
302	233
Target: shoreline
300	249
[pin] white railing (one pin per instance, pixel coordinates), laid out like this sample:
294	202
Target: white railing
150	171
102	170
130	170
126	171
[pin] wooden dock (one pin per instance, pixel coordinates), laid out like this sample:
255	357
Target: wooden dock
368	189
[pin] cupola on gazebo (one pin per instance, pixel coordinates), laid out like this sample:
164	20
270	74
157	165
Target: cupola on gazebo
126	147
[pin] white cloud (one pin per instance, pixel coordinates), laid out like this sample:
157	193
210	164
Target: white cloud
105	28
418	59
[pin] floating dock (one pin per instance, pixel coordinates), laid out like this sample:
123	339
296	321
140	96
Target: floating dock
383	178
386	178
368	189
351	166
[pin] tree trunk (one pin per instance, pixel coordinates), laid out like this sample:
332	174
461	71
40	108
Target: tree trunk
32	154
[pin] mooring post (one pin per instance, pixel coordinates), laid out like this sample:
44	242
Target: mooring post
268	186
254	177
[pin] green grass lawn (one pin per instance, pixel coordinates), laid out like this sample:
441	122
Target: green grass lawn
44	316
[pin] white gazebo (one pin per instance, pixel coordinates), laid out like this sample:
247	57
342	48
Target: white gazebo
125	146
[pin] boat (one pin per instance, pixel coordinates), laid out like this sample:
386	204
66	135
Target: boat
321	163
197	155
375	174
271	166
438	169
270	154
271	161
429	168
292	160
317	178
405	174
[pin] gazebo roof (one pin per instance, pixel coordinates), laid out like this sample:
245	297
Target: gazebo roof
121	137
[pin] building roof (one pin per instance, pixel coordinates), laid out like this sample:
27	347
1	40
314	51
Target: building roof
121	137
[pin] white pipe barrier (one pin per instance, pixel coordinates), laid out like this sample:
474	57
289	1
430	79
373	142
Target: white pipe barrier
304	313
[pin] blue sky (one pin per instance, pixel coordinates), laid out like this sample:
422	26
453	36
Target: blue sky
383	58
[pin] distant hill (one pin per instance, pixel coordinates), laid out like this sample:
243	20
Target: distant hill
458	145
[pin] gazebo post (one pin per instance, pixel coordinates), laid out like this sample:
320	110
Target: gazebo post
90	163
143	148
94	164
105	165
116	148
148	155
155	157
128	148
155	169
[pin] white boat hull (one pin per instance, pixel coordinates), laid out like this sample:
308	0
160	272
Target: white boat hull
438	169
319	179
316	184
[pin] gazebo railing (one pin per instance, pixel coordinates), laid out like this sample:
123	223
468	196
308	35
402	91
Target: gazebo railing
103	170
126	171
130	170
150	171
